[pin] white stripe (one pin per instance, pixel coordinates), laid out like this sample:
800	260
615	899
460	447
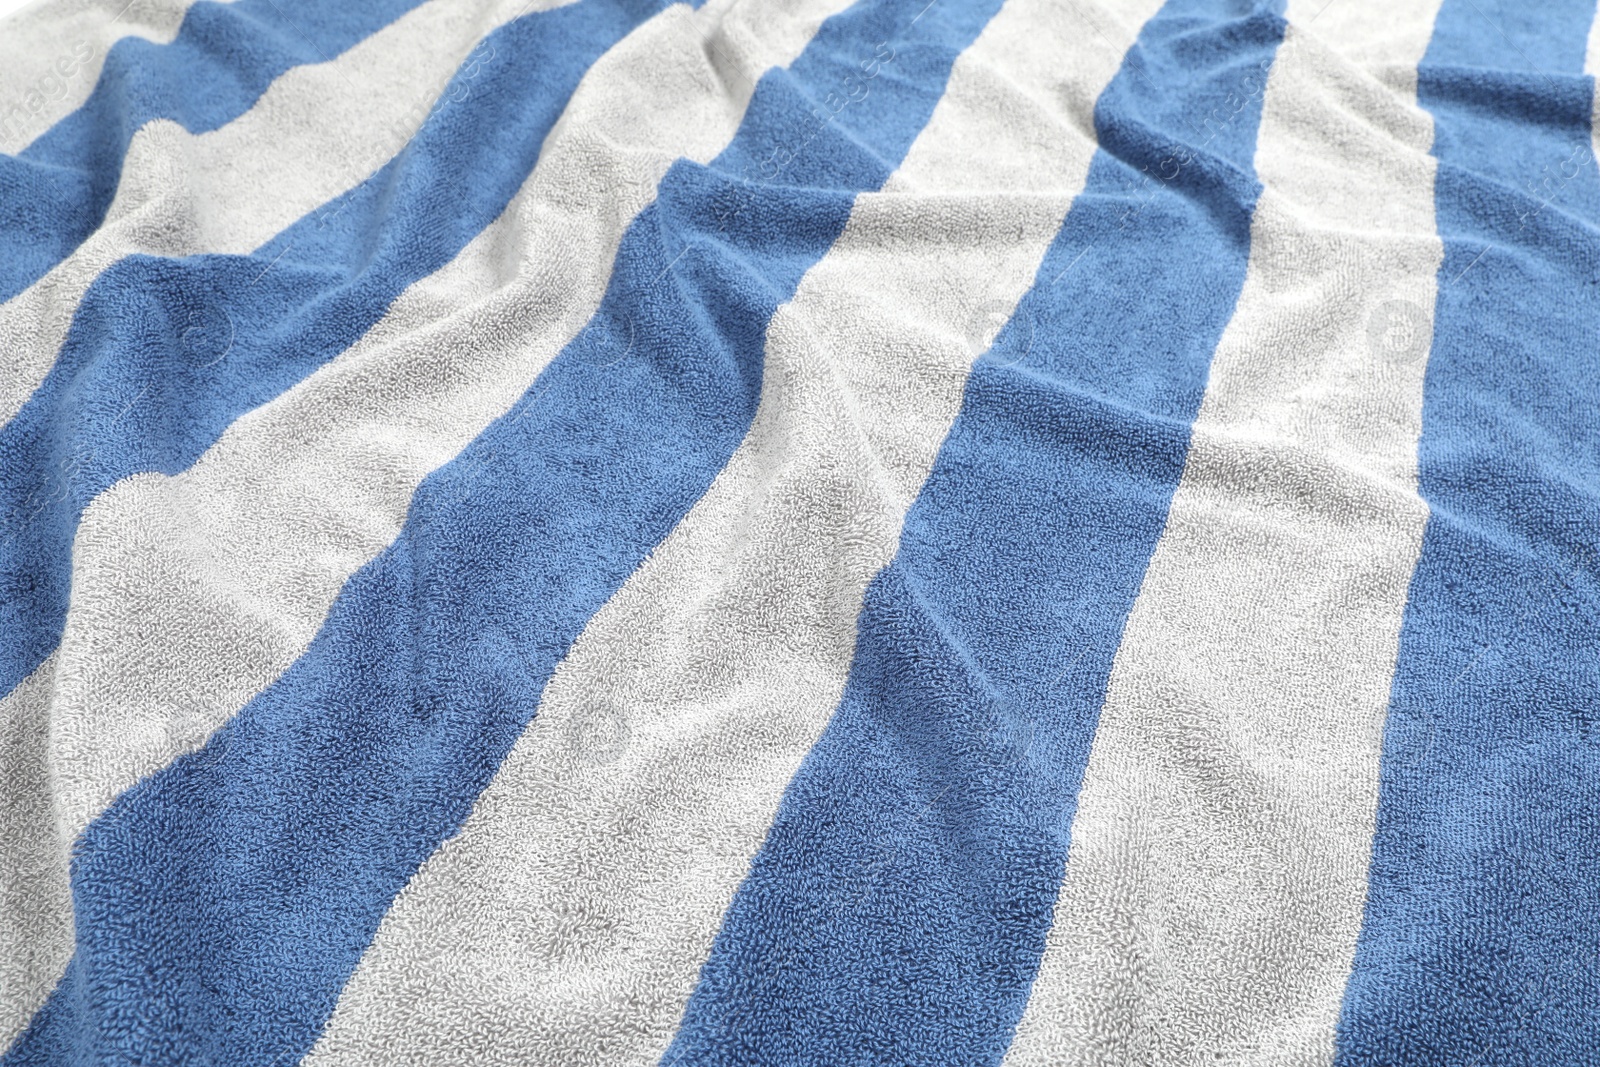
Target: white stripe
191	594
1217	871
51	54
316	132
35	904
566	923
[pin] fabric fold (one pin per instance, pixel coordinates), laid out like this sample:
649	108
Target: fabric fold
230	190
54	192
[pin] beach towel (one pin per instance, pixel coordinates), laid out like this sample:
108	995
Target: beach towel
751	533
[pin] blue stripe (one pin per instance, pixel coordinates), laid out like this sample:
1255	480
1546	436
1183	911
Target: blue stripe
900	904
55	193
223	903
1483	909
164	354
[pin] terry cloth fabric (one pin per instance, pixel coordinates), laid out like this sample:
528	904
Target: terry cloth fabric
1021	533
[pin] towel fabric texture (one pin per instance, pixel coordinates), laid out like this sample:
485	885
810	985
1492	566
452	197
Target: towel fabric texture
749	533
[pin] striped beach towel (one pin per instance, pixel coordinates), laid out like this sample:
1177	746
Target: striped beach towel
751	533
